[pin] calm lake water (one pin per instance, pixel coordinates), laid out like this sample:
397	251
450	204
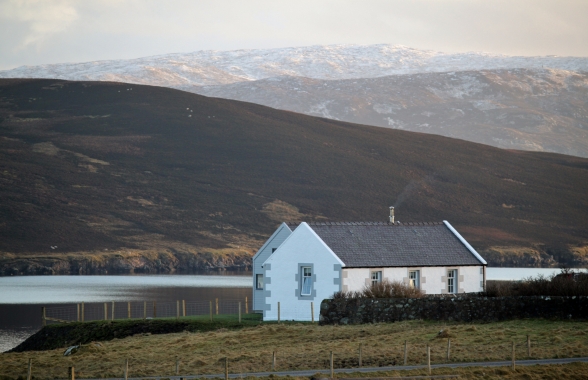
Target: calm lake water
21	297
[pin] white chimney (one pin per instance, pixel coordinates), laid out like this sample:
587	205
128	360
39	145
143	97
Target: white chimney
392	214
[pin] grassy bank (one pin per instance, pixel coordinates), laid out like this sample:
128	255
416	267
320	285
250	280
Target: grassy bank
307	346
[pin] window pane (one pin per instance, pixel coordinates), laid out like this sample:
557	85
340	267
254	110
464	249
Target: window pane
306	286
259	281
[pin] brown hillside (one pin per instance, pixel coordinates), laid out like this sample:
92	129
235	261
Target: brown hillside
88	166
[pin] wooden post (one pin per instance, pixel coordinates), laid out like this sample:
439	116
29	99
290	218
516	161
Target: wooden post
312	311
112	311
513	355
105	311
127	369
71	373
129	310
78	307
177	309
448	348
278	312
43	316
217	306
528	346
210	311
30	369
332	370
239	311
183	308
405	352
274	361
154	309
144	309
226	367
360	352
83	313
246	305
429	358
177	366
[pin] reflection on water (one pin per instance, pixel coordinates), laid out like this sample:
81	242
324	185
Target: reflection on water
505	274
21	298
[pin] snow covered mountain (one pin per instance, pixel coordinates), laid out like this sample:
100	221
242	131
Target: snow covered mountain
539	110
530	103
317	62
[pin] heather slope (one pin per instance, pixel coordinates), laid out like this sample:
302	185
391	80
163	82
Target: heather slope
95	166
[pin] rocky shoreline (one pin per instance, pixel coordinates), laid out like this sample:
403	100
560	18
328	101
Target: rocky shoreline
123	263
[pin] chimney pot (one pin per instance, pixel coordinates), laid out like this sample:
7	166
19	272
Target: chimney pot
392	214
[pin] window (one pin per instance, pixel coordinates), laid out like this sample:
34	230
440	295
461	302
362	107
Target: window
414	279
376	277
306	281
259	281
451	278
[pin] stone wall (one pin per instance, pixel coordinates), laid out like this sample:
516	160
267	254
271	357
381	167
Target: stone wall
458	308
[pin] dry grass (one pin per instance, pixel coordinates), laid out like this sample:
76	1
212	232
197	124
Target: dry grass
306	346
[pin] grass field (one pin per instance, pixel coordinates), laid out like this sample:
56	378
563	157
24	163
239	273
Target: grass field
307	346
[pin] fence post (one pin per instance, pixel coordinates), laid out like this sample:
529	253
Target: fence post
217	306
83	312
246	305
226	368
332	370
183	308
528	346
448	348
239	311
78	307
154	309
30	369
312	311
429	358
144	309
210	311
129	309
278	312
274	361
177	366
71	373
112	311
513	355
360	352
405	352
43	316
105	311
177	309
126	369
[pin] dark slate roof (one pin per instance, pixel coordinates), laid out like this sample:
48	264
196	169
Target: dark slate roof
375	244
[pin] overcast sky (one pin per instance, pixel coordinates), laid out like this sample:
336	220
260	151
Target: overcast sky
35	32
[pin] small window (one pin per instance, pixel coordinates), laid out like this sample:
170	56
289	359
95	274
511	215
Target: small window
414	279
376	277
259	281
451	278
306	281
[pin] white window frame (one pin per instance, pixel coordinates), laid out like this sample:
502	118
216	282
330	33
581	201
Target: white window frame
306	281
414	279
452	281
376	277
258	283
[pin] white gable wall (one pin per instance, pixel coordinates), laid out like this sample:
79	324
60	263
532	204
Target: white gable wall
261	256
283	279
433	280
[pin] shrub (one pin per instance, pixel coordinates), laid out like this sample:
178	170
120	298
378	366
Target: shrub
566	283
390	289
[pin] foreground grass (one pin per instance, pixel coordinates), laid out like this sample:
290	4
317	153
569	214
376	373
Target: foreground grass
307	346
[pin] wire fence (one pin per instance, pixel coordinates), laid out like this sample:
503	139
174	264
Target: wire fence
86	312
321	357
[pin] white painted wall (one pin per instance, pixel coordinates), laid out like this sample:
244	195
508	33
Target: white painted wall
282	270
433	280
261	256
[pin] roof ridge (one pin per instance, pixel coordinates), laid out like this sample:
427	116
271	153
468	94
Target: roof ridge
365	223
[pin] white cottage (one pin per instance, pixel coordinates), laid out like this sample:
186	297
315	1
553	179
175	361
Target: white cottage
308	262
